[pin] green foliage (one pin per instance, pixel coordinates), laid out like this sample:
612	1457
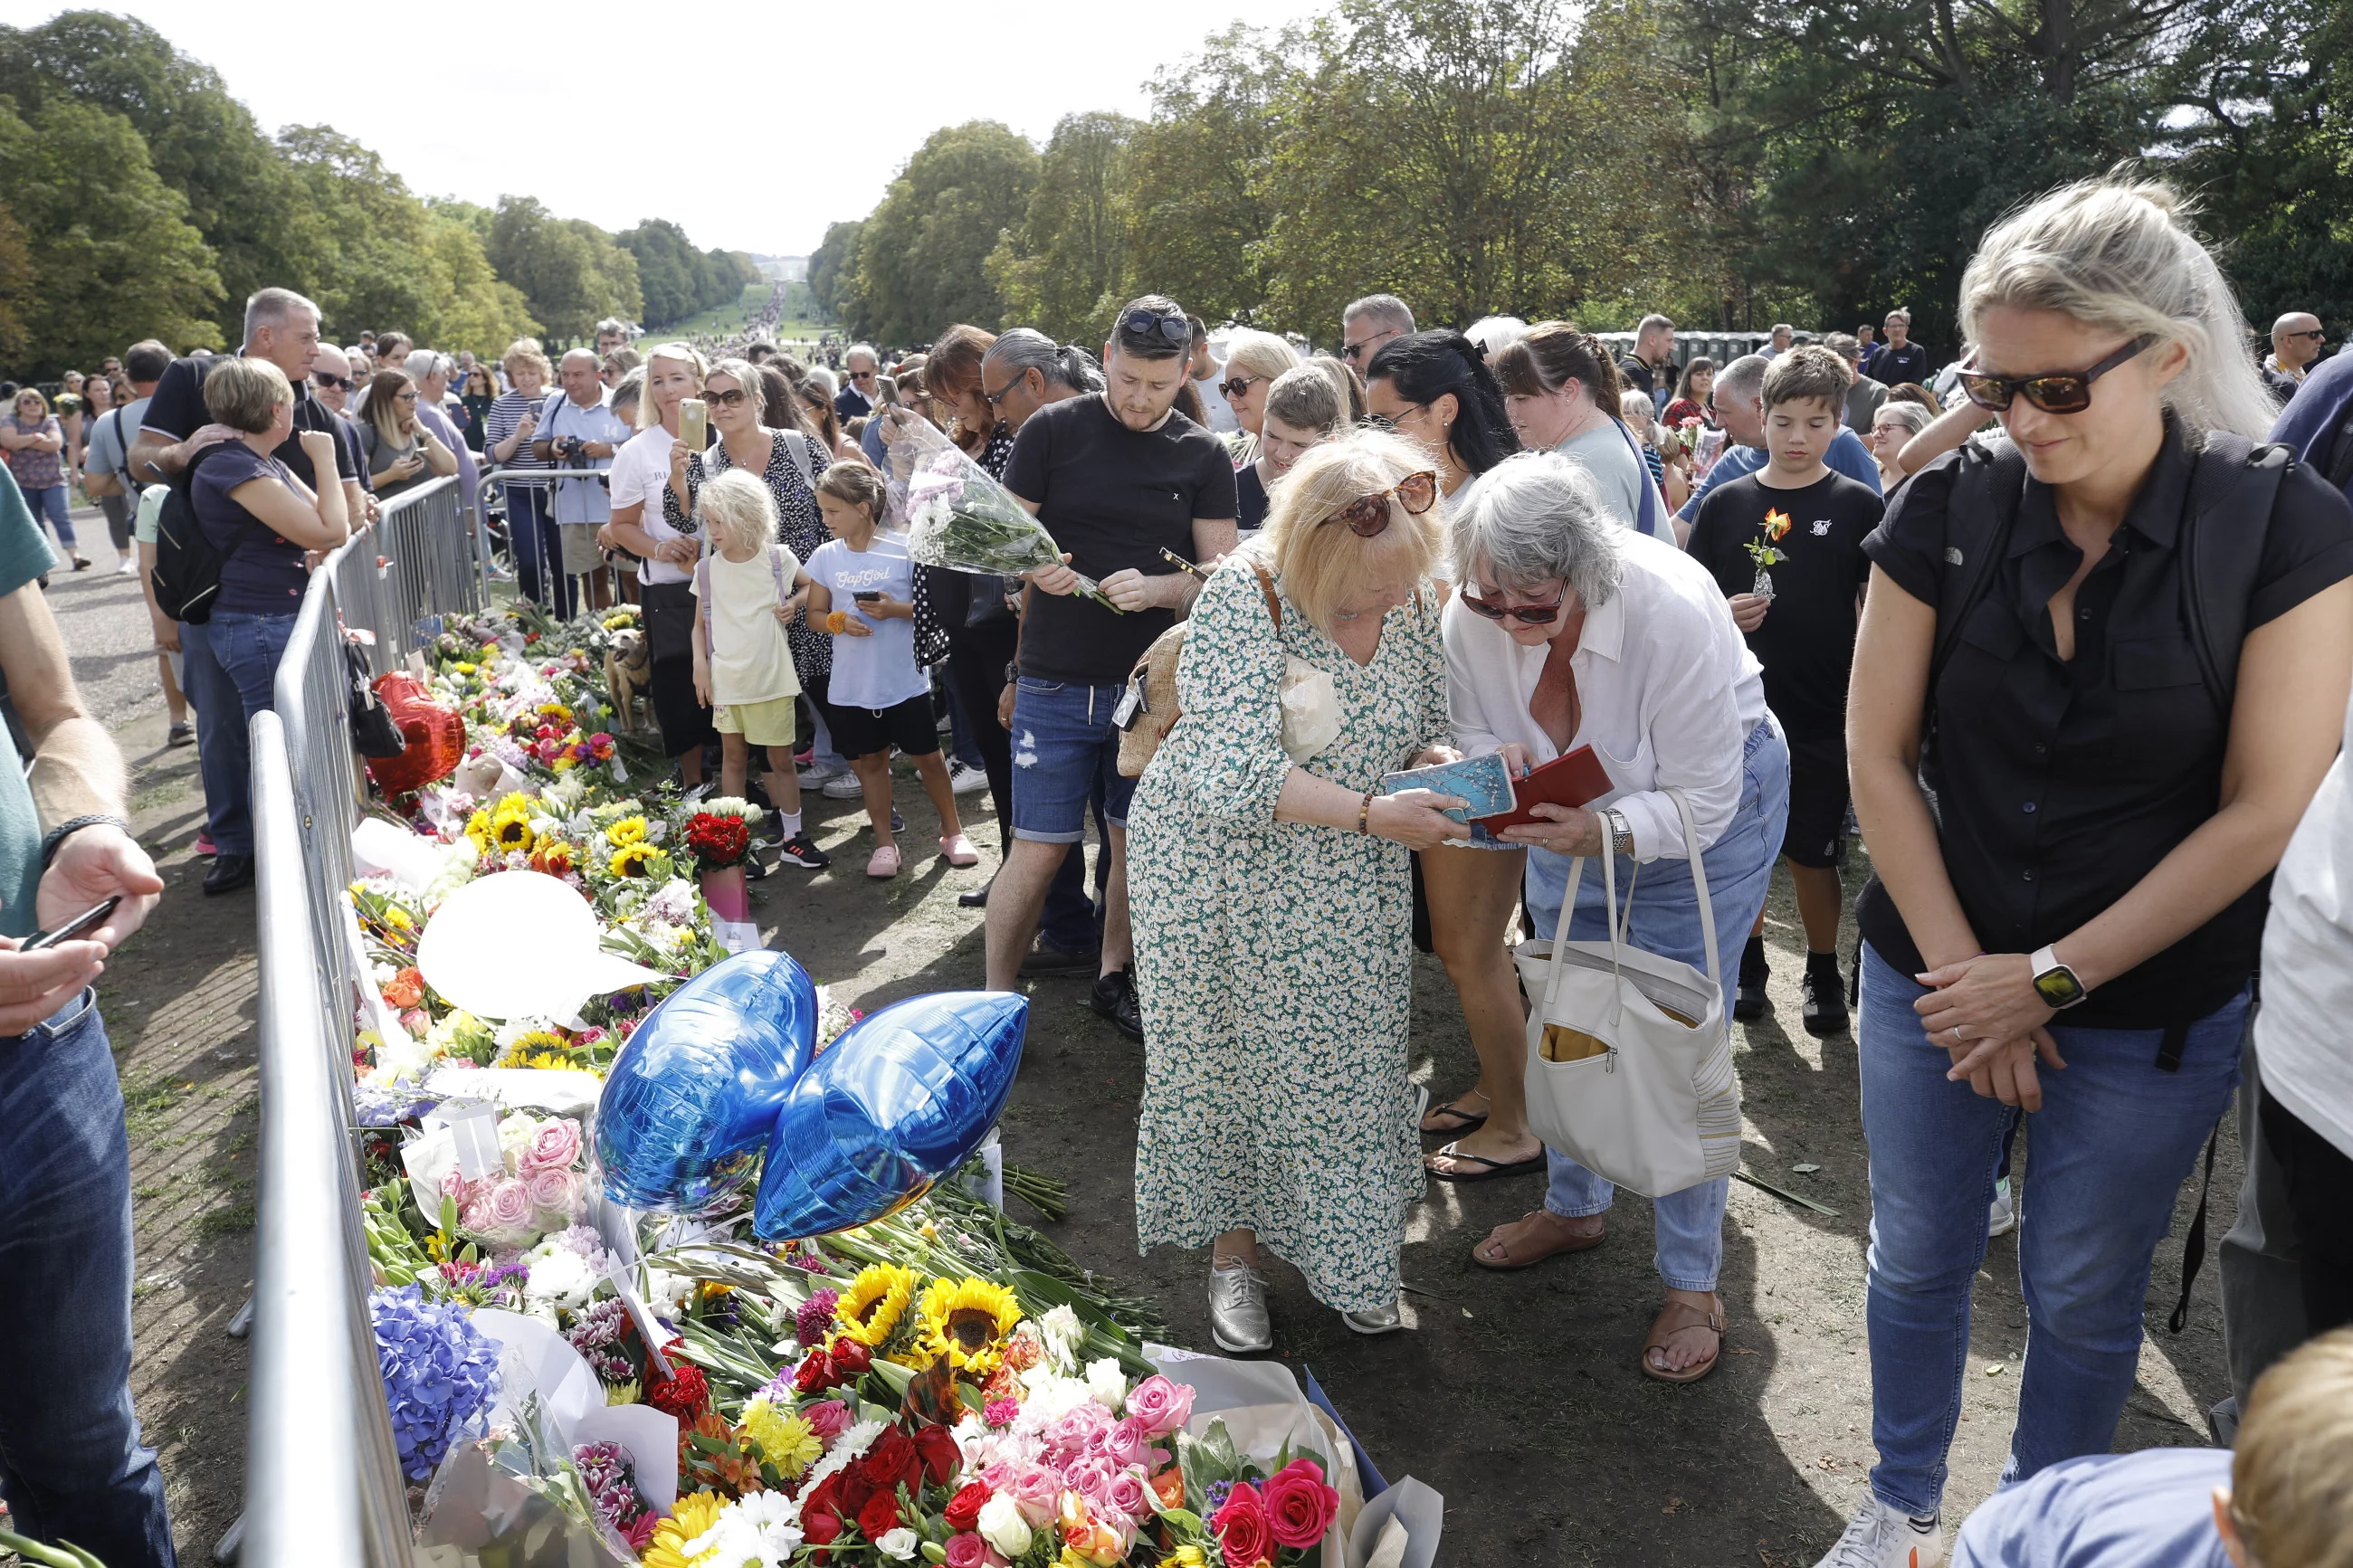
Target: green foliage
678	281
1061	270
571	273
922	257
833	269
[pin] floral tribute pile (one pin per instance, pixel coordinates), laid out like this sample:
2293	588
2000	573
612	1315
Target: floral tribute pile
941	1386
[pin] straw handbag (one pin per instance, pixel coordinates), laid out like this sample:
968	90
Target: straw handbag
1629	1061
1311	704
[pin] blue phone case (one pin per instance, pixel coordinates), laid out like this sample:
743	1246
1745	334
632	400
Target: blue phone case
1484	781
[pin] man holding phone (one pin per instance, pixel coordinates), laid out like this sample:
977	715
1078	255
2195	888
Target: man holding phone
71	1463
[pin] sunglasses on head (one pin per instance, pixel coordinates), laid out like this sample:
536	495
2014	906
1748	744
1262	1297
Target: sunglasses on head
1238	385
1144	325
324	379
2060	392
1367	516
1533	615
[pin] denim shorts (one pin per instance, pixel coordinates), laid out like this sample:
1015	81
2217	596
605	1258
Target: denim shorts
1064	745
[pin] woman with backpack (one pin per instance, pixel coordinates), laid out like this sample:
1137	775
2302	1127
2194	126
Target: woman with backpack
402	451
2116	651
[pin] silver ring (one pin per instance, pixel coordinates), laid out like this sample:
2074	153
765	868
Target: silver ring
1960	1038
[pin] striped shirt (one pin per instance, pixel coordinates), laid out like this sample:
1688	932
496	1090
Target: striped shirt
506	412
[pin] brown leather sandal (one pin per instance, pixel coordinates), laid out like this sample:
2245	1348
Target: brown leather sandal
1673	1319
1509	1260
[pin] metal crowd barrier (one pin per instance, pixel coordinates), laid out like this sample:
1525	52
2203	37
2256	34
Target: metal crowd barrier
495	481
322	1476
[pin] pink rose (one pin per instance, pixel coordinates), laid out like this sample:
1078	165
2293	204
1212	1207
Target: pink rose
829	1418
966	1550
553	1148
1130	1494
1299	1507
554	1192
1037	1491
1125	1442
1069	1435
1091	1477
1163	1406
507	1208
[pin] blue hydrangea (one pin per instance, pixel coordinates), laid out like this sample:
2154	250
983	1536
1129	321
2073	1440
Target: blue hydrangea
440	1373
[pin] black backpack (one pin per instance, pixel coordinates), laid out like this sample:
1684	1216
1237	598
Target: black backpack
187	566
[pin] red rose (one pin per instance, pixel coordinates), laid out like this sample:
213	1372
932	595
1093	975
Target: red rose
852	1490
820	1528
1299	1507
880	1517
941	1456
686	1394
816	1374
964	1509
892	1462
850	1360
1242	1526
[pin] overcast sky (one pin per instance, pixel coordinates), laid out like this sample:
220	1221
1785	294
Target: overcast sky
601	109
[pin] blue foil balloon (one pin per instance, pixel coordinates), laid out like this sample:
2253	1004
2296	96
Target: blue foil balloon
695	1091
899	1101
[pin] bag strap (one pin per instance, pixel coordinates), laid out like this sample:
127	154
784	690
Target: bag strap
803	455
1699	882
1980	514
1647	522
1609	894
703	597
2224	524
2193	1246
776	567
1266	586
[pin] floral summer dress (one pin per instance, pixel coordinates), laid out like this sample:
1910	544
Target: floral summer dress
1274	960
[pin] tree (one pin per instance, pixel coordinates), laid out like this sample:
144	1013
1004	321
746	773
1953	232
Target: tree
922	260
833	269
571	273
117	258
1061	270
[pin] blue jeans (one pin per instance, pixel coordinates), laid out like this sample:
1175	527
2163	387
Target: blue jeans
2108	1151
539	550
1065	754
248	648
71	1465
1663	919
51	499
223	754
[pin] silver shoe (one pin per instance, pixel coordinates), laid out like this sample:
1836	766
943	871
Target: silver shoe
1381	1321
1238	1319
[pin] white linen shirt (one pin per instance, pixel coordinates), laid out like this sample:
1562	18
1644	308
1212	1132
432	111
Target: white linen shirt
2308	964
1667	689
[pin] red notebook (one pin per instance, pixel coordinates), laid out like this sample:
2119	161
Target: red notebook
1574	778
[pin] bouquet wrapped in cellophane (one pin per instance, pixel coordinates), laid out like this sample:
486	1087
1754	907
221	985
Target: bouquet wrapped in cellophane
957	517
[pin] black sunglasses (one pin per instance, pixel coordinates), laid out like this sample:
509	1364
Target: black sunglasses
1533	614
2060	392
728	398
1144	325
1350	351
1367	516
2314	333
324	379
1240	384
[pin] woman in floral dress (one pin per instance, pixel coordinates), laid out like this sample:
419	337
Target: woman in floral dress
1271	899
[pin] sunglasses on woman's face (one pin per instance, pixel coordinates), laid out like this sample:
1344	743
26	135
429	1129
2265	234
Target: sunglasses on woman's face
1367	516
1240	384
2060	392
727	399
1533	615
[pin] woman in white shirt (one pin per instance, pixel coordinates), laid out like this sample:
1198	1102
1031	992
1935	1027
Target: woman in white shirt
648	522
1566	631
1561	390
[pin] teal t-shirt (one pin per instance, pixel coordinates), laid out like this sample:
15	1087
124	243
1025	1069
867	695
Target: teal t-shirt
25	555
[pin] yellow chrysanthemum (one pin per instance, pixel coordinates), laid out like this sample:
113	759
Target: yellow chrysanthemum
969	1322
875	1303
630	859
692	1518
628	830
398	917
789	1443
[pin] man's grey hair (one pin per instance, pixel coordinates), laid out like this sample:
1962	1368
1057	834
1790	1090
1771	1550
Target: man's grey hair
854	350
1898	314
1386	309
1025	349
1492	334
1538	518
1743	380
613	325
271	307
822	379
1654	322
1780	327
422	364
1846	345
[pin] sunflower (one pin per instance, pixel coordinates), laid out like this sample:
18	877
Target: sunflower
628	830
691	1520
511	832
968	1321
546	1062
540	1043
875	1303
631	860
555	711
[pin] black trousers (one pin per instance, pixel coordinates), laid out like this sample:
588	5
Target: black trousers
2319	1179
976	661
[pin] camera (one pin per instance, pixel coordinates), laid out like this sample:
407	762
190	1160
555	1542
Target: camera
569	448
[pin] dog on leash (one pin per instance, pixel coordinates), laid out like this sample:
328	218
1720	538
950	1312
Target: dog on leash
628	676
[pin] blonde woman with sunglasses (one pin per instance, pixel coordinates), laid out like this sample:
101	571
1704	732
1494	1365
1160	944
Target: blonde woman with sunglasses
1270	895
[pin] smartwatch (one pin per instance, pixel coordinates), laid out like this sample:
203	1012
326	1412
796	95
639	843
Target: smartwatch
2055	981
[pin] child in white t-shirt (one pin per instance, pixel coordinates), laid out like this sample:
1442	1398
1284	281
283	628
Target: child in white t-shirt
746	588
861	589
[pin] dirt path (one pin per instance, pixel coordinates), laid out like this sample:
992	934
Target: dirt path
1516	1396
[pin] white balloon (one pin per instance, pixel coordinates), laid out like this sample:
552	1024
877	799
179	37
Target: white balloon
519	945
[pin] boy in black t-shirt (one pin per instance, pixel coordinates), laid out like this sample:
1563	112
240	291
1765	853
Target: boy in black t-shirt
1785	543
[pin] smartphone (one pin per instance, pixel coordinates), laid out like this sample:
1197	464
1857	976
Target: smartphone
868	596
695	423
89	920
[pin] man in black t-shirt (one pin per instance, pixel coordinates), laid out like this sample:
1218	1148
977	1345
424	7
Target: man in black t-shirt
281	327
1899	359
1650	368
1796	528
1116	477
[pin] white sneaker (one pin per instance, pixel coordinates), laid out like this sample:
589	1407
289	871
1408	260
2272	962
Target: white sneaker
2001	1217
130	564
964	778
1879	1536
843	786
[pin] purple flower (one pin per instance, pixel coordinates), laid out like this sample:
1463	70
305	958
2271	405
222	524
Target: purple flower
809	1324
1218	1492
439	1372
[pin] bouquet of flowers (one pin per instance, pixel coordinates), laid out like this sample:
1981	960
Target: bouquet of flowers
720	834
959	517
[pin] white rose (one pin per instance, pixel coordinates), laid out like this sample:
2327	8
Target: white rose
1106	1385
1062	1333
899	1543
1002	1526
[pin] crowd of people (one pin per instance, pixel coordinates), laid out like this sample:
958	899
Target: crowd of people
2053	626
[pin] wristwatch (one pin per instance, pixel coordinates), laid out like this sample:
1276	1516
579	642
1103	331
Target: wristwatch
1622	833
2055	981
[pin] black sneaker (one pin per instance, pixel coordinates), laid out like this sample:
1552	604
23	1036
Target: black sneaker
1748	998
800	849
229	873
1824	992
1047	959
1114	999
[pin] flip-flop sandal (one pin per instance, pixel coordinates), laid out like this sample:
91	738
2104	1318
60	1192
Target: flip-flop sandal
1573	1244
1465	1121
1489	1171
1662	1330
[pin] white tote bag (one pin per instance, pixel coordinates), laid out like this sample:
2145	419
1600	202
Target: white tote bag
1630	1062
